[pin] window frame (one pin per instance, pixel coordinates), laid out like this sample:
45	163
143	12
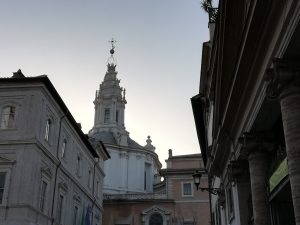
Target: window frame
230	202
62	192
107	115
90	178
2	189
48	130
7	171
11	122
183	190
98	188
117	116
147	176
46	175
43	195
78	164
60	208
64	148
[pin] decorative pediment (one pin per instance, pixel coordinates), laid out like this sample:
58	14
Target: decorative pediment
77	198
4	160
146	214
155	209
63	186
46	171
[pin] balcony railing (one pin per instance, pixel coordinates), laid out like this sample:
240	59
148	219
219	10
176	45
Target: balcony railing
133	196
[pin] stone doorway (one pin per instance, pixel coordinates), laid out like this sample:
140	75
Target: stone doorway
156	219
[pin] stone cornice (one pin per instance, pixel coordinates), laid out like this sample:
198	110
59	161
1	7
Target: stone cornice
283	74
260	141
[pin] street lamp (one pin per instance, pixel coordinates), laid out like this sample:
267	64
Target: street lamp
197	177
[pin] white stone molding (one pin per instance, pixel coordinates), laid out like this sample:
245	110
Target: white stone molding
147	213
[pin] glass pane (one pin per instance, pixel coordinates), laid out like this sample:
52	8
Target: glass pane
106	115
187	189
2	179
1	195
8	117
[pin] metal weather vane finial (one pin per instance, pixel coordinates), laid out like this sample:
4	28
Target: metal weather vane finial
112	41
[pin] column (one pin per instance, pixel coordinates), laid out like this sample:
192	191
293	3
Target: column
290	109
258	168
257	149
285	83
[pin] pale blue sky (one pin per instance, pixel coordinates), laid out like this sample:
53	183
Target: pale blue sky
158	51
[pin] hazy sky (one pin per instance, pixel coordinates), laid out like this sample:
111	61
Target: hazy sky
158	51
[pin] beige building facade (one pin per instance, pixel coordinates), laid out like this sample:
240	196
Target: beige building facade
49	171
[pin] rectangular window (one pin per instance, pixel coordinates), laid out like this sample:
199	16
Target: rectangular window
75	215
147	181
90	179
60	208
47	129
7	117
78	162
230	203
106	116
43	195
187	189
117	116
63	148
98	189
2	185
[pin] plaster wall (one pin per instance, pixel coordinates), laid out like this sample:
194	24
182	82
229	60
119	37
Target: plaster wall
29	159
125	171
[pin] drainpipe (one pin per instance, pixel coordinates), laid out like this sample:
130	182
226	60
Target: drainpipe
56	170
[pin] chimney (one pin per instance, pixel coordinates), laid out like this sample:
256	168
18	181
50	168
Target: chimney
170	153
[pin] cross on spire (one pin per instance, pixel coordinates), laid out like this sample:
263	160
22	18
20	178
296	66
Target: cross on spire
112	41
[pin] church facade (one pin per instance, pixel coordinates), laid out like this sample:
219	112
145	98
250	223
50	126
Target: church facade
136	190
132	167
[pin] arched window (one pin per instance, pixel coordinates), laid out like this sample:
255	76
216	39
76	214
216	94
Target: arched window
47	129
156	219
8	117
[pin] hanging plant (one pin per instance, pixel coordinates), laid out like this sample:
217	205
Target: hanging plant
206	5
